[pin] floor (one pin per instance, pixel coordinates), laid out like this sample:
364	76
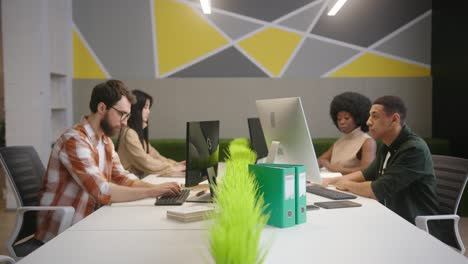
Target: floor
7	219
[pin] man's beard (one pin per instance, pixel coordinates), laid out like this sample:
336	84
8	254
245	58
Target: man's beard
106	127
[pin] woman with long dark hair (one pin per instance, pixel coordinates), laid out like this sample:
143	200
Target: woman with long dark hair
135	152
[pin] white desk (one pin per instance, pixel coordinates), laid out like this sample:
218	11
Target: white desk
142	234
371	234
123	247
146	216
138	215
134	218
329	236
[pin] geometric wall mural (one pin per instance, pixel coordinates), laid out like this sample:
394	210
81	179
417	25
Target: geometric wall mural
182	36
271	47
85	64
119	32
147	39
372	65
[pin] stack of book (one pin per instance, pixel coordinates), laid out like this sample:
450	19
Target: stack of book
189	214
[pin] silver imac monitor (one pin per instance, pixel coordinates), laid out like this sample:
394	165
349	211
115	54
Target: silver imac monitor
283	120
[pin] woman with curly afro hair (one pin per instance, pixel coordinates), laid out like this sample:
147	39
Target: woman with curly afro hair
355	149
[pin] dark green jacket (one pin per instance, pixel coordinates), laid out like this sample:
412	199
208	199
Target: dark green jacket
407	185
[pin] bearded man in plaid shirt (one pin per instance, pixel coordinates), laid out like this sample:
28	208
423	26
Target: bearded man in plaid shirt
84	171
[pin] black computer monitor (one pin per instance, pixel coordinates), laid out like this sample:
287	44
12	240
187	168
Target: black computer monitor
202	151
257	139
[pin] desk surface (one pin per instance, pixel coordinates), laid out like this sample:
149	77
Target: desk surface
332	238
123	247
142	234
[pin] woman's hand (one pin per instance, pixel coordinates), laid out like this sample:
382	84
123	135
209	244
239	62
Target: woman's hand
178	167
330	167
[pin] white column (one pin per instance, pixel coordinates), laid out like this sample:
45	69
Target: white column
27	78
33	31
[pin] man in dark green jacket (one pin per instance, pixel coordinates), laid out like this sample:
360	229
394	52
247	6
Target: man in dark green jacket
402	176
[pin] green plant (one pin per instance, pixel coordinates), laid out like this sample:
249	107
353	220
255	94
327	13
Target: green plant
238	220
239	151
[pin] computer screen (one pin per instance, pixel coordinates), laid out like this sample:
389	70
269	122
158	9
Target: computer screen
257	139
202	150
283	120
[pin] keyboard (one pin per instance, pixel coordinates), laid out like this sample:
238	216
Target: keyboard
327	193
173	199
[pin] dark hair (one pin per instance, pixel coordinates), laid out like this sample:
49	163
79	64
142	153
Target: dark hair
109	92
135	121
393	104
356	104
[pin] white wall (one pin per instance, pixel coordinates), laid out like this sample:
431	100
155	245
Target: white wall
26	60
232	100
36	43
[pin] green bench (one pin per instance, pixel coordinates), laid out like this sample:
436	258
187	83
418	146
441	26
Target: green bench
175	148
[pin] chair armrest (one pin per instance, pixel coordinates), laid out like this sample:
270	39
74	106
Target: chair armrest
67	214
421	221
66	221
7	259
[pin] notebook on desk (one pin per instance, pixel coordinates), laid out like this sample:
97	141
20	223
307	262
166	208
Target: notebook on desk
189	213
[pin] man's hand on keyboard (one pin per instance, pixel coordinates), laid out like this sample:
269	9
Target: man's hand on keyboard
167	188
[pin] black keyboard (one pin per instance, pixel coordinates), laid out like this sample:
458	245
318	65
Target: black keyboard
173	199
327	193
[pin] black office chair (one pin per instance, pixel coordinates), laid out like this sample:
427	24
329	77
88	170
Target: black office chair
452	175
24	171
6	259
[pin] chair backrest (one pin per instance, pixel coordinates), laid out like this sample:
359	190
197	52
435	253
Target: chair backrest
25	172
452	175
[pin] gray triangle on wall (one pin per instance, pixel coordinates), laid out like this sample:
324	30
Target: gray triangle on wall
234	27
414	43
302	20
227	63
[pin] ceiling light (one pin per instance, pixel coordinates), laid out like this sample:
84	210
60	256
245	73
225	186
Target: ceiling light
206	6
335	8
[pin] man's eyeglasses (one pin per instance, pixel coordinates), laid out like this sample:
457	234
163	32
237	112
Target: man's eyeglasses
123	115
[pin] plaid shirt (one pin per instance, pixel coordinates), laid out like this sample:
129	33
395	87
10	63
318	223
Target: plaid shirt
73	177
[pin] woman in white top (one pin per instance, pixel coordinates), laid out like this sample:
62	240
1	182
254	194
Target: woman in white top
355	149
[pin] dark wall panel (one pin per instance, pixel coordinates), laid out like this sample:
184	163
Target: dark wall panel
450	74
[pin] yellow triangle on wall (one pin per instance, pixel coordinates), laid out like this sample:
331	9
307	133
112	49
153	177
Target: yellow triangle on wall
372	65
84	64
271	48
182	35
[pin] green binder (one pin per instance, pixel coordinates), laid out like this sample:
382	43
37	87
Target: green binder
300	189
301	197
278	187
